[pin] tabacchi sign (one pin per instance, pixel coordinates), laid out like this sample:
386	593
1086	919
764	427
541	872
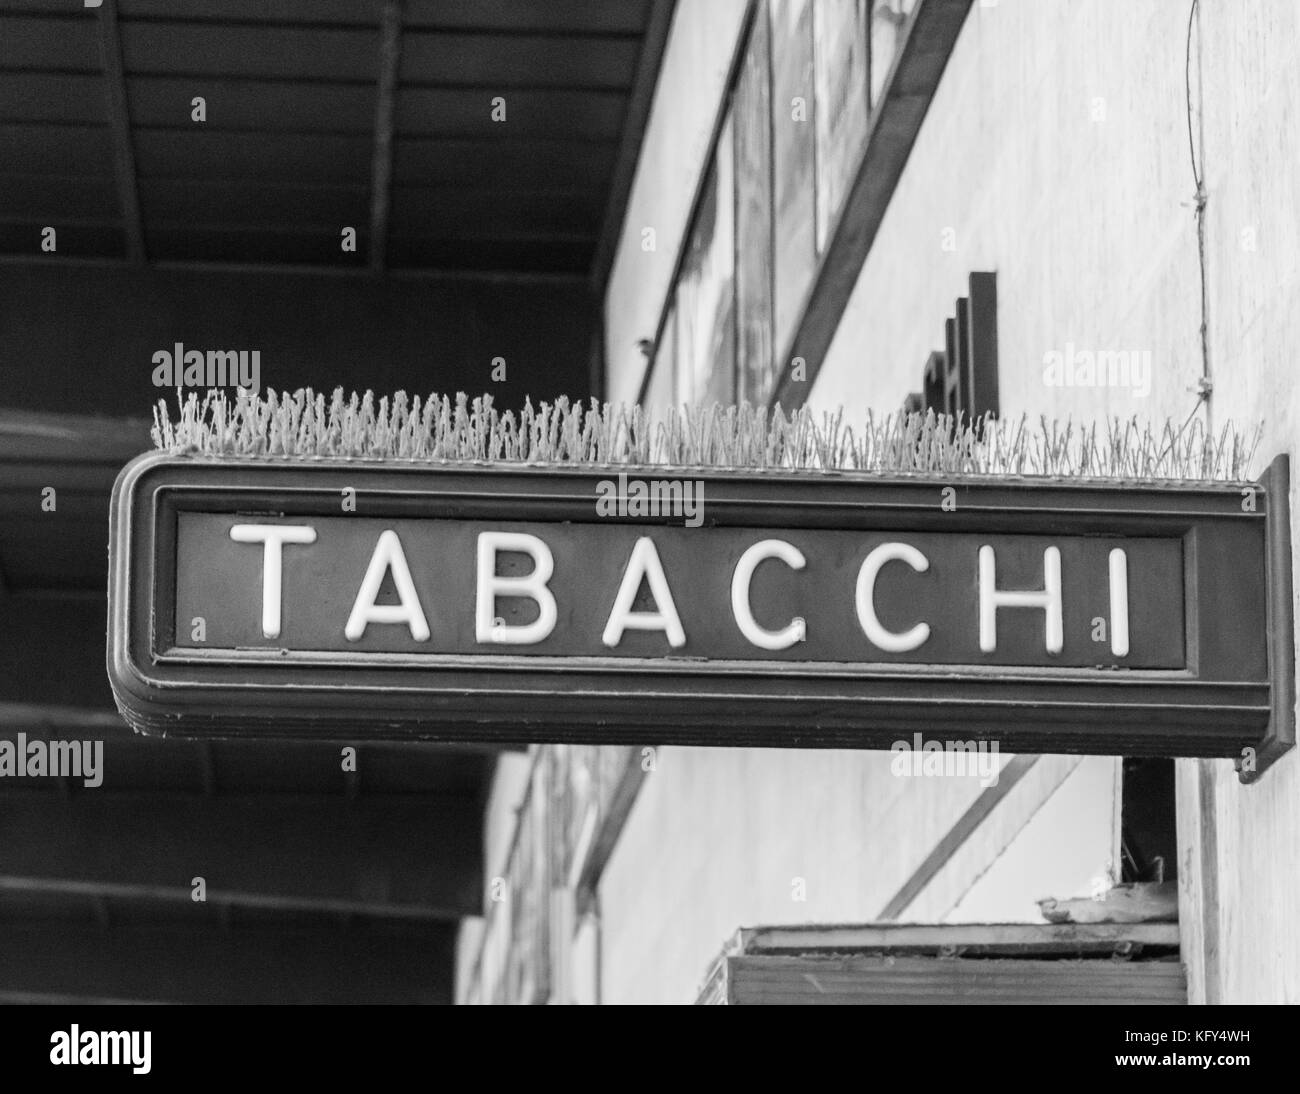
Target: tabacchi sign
349	598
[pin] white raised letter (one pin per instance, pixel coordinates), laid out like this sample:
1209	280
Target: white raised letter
274	536
644	563
764	640
866	598
1049	599
1119	602
388	555
533	586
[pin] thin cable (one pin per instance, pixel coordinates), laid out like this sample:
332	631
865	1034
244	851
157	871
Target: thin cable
1187	79
1198	177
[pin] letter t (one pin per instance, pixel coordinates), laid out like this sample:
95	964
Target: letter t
273	536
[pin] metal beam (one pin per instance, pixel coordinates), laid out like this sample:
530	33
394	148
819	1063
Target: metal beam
409	856
352	330
98	443
381	171
112	266
200	963
119	122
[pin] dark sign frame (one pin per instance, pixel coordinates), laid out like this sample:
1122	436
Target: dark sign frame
1215	706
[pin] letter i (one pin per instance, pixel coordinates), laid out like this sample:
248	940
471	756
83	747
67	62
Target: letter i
1119	603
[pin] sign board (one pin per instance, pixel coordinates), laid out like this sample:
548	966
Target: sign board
346	598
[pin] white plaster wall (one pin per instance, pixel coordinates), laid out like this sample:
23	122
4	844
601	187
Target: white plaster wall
1087	220
1056	151
701	44
1055	854
718	838
1252	163
509	784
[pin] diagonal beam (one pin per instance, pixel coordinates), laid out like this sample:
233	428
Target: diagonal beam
119	122
381	168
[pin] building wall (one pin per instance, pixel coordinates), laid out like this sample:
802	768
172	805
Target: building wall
509	785
726	838
1056	154
1250	837
697	60
721	839
1057	149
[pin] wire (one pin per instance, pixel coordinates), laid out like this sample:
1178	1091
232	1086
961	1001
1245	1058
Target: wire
1187	77
1198	176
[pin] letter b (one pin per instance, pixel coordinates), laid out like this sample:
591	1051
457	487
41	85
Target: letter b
531	586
